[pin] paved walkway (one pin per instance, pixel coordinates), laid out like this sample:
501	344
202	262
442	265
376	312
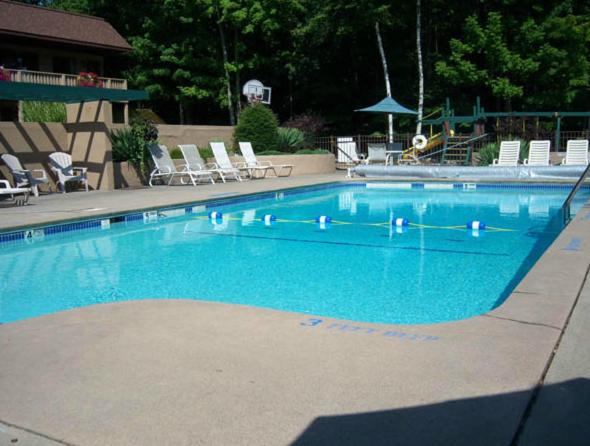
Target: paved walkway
75	205
190	372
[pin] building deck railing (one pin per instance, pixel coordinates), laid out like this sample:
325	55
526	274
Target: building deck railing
61	79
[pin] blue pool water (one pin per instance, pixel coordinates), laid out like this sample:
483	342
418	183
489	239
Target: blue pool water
358	268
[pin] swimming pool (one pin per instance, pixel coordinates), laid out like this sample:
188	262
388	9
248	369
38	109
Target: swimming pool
357	267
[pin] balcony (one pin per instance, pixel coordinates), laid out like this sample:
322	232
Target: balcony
60	79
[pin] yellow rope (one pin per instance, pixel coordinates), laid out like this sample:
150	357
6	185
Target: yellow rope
382	224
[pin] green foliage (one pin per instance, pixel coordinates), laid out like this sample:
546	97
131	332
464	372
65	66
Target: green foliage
34	111
488	154
258	124
312	152
131	144
290	140
491	151
206	153
271	152
127	146
485	58
321	57
176	153
299	152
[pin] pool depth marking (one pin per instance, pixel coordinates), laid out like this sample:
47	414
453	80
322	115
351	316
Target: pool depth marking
574	244
341	327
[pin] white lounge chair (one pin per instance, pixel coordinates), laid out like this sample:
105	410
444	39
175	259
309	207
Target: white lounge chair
347	154
193	162
165	167
377	154
222	162
577	153
23	177
538	153
251	163
61	164
7	190
509	153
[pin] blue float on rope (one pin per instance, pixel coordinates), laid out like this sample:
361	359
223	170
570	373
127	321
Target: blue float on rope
323	219
215	215
268	219
400	222
476	225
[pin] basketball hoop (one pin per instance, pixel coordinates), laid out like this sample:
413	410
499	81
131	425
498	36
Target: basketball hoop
256	92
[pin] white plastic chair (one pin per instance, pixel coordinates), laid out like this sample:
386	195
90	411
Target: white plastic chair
377	154
509	153
194	163
23	177
165	167
61	164
222	162
577	153
251	162
538	153
347	154
6	189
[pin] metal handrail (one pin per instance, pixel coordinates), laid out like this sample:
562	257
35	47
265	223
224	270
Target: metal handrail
566	208
470	140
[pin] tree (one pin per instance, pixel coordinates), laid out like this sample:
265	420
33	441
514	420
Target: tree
386	78
485	59
420	67
258	125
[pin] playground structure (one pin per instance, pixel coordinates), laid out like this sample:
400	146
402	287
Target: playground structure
448	147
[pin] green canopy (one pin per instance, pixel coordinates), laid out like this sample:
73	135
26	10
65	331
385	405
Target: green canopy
388	105
22	91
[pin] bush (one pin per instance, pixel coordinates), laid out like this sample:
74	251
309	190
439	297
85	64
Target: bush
127	146
131	144
488	153
258	124
271	152
176	153
34	111
290	140
491	151
206	153
311	125
312	152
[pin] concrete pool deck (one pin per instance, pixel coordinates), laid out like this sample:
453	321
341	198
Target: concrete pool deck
188	372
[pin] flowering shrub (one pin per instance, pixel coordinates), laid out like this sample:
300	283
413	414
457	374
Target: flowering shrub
89	80
4	74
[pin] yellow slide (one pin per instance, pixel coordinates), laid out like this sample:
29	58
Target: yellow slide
433	142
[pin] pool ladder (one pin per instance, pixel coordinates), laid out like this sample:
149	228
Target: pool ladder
566	208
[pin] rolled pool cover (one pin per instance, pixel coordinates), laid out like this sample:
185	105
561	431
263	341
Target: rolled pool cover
471	172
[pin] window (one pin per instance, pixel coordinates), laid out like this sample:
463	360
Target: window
8	111
118	112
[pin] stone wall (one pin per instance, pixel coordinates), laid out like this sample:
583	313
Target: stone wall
31	143
201	135
86	136
126	176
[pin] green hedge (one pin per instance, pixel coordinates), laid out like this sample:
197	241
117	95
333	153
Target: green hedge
258	125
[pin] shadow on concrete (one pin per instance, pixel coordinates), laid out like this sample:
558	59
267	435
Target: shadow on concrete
560	416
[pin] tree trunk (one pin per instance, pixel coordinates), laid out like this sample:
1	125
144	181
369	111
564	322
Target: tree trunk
387	84
230	107
420	68
237	78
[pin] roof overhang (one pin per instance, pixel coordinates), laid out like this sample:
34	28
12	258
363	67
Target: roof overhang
21	91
